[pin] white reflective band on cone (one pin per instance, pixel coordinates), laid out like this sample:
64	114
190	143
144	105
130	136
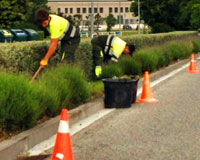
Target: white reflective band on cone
63	127
193	60
60	156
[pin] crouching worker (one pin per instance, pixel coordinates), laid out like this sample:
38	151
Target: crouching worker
60	29
106	48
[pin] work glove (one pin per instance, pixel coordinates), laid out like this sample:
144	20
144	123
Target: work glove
44	62
98	71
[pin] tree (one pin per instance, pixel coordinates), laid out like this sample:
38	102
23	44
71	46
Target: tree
110	21
12	12
163	12
195	17
166	15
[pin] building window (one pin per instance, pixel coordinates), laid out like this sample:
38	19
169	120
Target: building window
126	21
71	10
121	9
116	9
95	10
101	10
78	10
84	10
59	10
90	10
131	21
120	19
110	10
66	10
126	9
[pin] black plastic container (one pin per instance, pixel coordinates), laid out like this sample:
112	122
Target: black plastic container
119	93
134	87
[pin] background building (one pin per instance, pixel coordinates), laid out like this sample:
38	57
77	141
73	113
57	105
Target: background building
120	9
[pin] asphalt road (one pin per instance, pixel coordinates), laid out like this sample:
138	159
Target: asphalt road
169	129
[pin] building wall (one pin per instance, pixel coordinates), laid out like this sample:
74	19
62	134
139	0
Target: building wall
117	8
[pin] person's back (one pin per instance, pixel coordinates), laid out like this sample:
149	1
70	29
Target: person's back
106	48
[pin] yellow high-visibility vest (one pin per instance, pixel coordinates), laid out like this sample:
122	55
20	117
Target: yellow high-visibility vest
57	26
118	46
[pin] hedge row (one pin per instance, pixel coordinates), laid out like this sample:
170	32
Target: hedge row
23	102
25	56
151	58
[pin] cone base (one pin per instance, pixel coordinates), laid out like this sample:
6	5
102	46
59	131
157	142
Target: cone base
194	71
152	100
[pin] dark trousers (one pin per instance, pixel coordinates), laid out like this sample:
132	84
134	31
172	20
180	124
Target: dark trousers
68	48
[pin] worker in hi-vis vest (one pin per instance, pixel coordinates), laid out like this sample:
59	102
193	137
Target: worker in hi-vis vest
60	29
106	48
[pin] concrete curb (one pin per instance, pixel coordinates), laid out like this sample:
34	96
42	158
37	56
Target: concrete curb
11	148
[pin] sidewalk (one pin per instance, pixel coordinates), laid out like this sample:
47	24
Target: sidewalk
10	149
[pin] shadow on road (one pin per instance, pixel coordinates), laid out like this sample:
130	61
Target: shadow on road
38	157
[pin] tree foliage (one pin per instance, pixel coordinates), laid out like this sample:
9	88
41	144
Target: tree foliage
16	12
195	16
168	15
12	12
110	21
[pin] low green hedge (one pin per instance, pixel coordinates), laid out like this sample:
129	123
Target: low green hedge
68	86
25	56
151	58
18	107
23	102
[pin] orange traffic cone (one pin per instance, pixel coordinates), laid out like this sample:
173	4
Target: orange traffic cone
192	67
146	96
63	148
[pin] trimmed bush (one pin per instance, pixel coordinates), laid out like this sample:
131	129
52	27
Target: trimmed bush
196	45
19	109
147	60
83	58
40	35
68	84
130	66
111	70
177	50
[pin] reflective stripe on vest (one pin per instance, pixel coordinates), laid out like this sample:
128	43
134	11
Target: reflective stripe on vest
108	44
114	46
69	32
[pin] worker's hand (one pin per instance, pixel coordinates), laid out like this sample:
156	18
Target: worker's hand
98	71
44	62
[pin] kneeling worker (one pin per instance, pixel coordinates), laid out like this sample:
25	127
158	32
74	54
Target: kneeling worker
59	29
106	48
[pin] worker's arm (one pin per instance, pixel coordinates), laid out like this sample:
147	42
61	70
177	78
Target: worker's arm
51	50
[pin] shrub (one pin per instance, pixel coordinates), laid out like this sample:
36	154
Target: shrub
177	50
111	70
196	45
147	59
68	85
83	57
48	100
79	88
40	35
130	66
18	107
